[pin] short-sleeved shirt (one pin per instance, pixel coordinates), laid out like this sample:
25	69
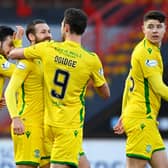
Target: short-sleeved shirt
142	101
67	69
6	70
27	82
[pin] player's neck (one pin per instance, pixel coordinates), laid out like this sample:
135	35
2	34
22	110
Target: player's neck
74	38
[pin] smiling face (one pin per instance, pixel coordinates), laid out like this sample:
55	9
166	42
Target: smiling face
38	31
42	32
154	31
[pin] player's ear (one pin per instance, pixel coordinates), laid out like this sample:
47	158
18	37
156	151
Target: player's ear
31	37
67	28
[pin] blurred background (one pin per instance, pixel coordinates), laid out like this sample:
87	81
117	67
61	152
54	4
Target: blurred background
114	29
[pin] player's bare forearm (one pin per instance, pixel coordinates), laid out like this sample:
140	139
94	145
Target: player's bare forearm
17	53
103	91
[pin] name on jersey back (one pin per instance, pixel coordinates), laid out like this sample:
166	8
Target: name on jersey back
65	61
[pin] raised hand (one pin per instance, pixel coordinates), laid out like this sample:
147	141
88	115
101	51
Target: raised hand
18	35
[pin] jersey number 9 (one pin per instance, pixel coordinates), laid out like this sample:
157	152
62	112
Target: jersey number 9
62	84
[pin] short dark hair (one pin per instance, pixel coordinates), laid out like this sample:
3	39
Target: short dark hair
5	31
31	26
77	19
156	15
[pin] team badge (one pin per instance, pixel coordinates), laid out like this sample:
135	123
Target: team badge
37	153
151	63
148	148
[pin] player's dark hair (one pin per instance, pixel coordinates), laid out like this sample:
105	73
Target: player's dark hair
77	19
31	26
5	31
156	15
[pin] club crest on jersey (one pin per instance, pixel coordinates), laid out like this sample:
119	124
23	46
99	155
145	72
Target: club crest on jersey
101	71
5	65
151	63
20	65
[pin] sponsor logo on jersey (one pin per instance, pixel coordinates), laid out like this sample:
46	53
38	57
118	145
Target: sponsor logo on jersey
151	63
5	65
20	65
101	72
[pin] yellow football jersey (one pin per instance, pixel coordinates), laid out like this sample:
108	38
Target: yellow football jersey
141	101
6	69
27	82
67	69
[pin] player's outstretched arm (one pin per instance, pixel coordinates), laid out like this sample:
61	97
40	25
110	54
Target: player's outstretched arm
16	53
